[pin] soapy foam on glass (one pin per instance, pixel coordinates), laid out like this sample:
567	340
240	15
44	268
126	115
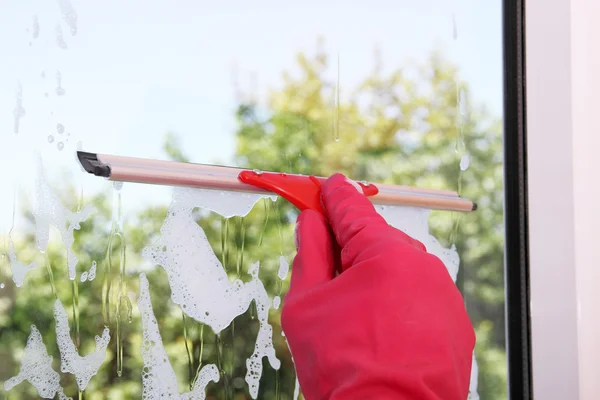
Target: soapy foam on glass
18	111
49	210
473	395
158	377
36	368
18	269
84	368
69	15
199	283
284	268
89	275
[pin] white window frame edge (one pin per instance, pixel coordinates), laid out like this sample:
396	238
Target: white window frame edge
562	66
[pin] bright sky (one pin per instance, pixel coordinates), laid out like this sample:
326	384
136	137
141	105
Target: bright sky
136	69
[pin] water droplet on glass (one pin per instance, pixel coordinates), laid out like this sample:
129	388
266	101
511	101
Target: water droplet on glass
50	138
1	285
60	128
337	139
60	145
257	171
465	161
364	183
118	185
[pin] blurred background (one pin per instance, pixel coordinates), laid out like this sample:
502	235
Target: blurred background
394	92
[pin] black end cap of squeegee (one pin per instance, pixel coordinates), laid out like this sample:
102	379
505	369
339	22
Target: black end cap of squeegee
90	162
474	207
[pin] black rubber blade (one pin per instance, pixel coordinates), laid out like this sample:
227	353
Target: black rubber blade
90	162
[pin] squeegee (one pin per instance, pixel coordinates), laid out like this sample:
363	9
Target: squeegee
301	190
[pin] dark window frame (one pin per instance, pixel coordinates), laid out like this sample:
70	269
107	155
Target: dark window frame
515	191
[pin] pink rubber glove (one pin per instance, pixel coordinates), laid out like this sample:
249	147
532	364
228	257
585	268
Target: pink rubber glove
392	325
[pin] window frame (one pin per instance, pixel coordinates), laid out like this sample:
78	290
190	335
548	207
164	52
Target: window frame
559	138
518	337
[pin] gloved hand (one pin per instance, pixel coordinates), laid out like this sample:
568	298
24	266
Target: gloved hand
391	325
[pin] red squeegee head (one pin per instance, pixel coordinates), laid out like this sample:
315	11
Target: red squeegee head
304	192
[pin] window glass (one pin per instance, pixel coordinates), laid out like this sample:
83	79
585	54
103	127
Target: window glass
394	92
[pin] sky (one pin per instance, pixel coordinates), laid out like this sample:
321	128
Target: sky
118	75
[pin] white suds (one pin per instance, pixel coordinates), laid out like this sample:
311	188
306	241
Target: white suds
89	275
18	270
227	204
92	272
284	268
296	389
49	210
276	302
199	283
69	15
473	395
19	111
414	222
60	40
36	27
158	377
465	161
60	91
84	368
36	368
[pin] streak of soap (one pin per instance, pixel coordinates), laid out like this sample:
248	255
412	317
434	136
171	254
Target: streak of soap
60	91
60	40
199	283
84	276
284	268
36	368
36	27
49	210
18	111
188	352
336	118
454	27
414	222
465	161
69	15
240	261
276	302
84	368
18	270
473	395
92	272
122	298
296	389
158	377
75	309
262	232
200	353
226	205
